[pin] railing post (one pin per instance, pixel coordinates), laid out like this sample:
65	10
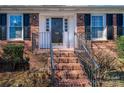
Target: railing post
52	61
32	42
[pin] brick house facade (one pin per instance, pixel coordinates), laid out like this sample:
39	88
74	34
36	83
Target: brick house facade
99	24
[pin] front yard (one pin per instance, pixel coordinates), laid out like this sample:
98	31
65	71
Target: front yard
37	76
111	71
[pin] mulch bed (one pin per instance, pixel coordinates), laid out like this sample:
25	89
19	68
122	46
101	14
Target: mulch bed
10	67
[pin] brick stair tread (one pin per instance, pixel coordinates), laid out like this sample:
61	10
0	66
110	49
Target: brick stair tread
68	66
75	58
63	54
70	74
65	60
73	82
71	71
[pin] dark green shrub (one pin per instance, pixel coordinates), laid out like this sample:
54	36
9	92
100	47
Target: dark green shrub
13	51
120	46
12	58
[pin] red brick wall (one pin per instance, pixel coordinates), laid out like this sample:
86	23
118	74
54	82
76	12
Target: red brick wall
115	26
34	22
80	23
34	27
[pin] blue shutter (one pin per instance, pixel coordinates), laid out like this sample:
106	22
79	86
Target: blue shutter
87	21
3	26
119	24
26	24
110	29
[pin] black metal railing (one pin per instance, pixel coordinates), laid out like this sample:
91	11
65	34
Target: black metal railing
84	53
35	41
52	61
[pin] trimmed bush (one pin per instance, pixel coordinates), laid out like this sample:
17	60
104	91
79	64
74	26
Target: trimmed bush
13	51
120	46
13	59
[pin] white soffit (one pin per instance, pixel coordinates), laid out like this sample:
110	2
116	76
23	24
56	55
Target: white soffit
61	2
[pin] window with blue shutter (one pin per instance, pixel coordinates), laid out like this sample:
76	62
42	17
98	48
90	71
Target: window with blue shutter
87	21
120	25
26	23
110	29
3	26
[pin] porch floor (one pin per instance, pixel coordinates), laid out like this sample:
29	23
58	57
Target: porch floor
43	50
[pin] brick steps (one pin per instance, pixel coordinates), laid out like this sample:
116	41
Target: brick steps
68	70
68	66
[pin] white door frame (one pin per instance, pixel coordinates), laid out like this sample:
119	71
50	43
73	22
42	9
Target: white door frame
71	26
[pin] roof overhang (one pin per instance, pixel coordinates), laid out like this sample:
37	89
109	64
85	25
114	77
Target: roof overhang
59	8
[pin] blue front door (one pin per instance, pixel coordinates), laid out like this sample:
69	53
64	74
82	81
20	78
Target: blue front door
57	30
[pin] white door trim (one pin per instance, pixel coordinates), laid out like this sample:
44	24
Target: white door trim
71	25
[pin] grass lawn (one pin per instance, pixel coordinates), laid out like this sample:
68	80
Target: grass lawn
113	83
121	60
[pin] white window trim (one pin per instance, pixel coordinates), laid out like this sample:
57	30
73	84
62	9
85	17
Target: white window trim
8	30
104	25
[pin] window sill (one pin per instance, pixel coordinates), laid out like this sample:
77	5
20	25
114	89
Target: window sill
102	41
99	39
15	41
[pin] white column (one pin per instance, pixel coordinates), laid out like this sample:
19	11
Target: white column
71	31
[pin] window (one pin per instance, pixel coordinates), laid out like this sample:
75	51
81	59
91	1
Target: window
15	27
97	25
